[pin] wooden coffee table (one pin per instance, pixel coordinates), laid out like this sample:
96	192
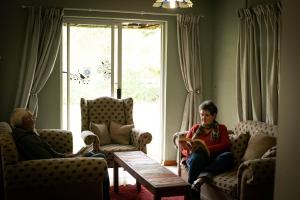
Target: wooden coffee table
160	181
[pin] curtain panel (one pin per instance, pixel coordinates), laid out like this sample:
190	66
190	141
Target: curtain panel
188	33
258	63
41	45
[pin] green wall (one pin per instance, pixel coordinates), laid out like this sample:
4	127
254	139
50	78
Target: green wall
225	32
12	22
287	179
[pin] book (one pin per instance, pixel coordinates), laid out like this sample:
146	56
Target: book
83	151
194	144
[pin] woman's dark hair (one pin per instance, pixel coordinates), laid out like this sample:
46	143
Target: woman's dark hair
209	106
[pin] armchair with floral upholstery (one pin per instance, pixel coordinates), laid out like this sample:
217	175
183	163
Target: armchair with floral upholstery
57	178
254	147
109	122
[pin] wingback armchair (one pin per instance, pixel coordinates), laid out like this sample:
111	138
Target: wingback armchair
57	178
110	122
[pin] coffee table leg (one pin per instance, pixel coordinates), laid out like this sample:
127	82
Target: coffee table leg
138	186
187	197
116	177
156	197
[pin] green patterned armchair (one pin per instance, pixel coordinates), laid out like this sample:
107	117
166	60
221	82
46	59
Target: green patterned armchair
59	178
106	120
251	178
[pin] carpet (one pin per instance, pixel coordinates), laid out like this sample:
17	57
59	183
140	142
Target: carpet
129	192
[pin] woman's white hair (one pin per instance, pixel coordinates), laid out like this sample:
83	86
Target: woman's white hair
16	118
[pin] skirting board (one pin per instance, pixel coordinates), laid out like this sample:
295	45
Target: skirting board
169	163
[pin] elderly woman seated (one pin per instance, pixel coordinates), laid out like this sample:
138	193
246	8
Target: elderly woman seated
32	147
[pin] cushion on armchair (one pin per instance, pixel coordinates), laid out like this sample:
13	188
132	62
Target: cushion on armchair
120	134
101	131
258	144
239	145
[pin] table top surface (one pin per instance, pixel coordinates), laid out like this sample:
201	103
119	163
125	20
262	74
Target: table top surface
148	169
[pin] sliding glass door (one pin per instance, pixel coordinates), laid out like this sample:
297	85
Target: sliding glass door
113	58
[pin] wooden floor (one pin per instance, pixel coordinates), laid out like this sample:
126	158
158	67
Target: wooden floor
125	178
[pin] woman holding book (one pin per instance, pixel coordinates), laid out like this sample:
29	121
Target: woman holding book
207	147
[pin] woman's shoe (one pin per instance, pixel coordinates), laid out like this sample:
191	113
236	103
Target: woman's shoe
183	161
197	184
194	195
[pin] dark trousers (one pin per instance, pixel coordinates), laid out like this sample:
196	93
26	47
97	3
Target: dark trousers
200	165
106	183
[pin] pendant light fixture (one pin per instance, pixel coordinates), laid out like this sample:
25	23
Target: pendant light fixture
170	4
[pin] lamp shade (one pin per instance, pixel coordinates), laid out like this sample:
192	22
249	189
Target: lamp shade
170	4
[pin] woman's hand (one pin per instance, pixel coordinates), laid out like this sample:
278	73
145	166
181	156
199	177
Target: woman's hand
185	145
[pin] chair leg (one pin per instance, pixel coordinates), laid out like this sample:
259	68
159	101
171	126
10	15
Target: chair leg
178	162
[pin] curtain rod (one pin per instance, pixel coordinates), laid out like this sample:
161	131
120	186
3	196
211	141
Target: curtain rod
120	11
113	11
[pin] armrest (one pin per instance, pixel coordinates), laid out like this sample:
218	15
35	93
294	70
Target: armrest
140	138
60	140
176	137
89	137
50	134
55	171
256	172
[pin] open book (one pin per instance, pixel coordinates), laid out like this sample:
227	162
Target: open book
194	144
83	151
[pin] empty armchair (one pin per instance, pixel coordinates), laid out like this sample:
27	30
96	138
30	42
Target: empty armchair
109	122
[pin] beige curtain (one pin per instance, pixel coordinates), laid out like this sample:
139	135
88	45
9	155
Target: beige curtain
42	40
258	63
188	33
